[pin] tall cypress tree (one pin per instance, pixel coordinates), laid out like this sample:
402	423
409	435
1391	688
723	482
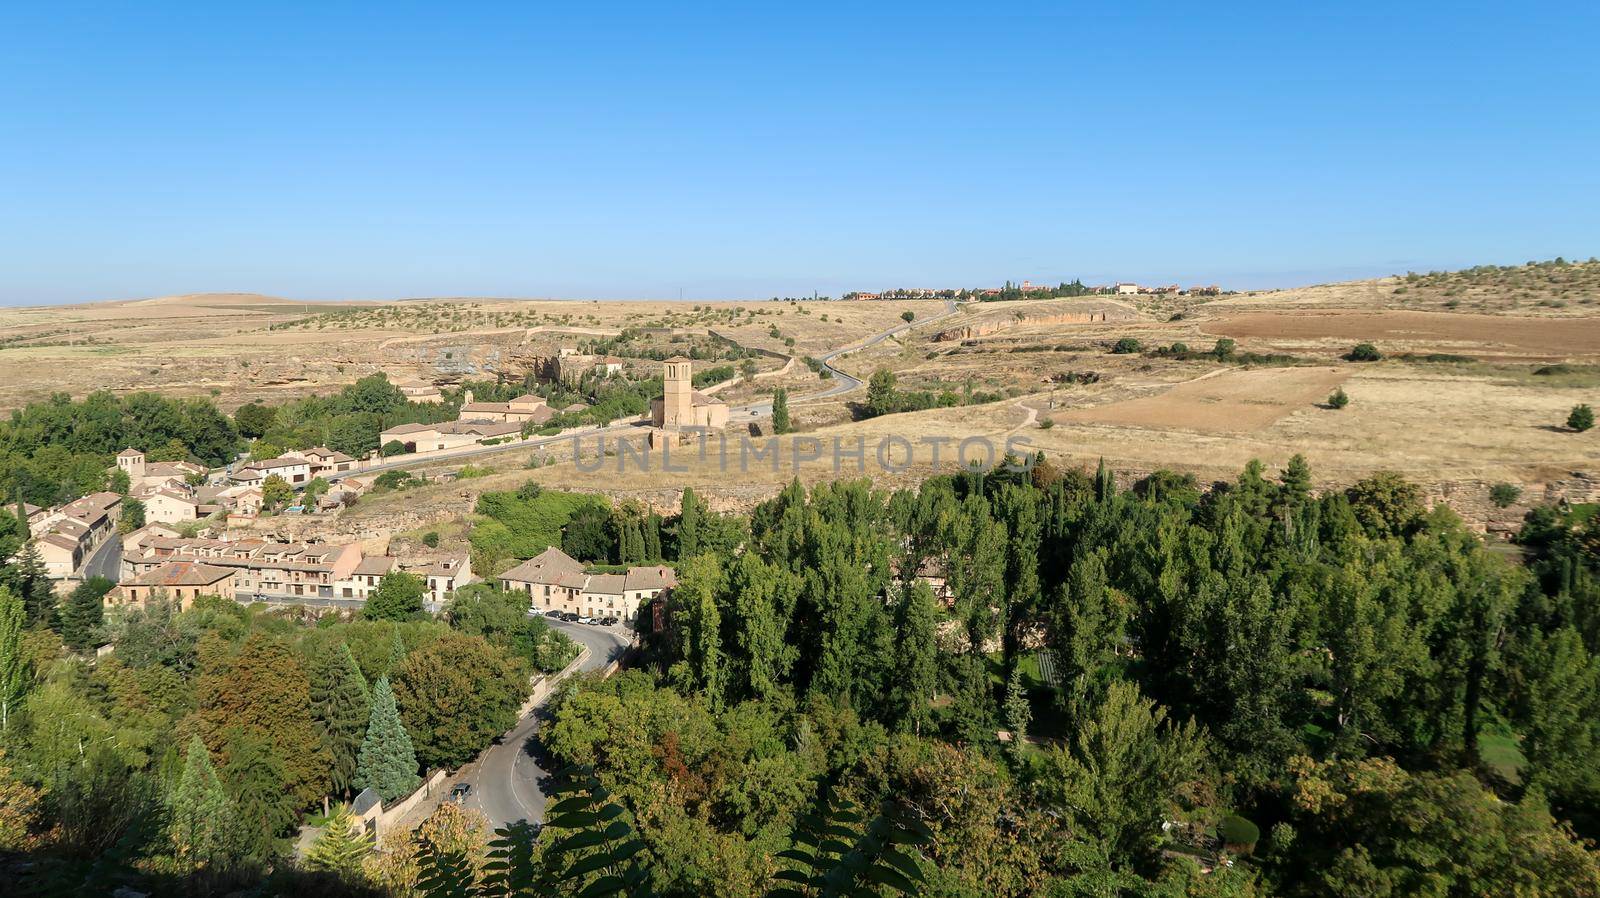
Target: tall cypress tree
200	814
387	761
340	706
652	537
916	657
688	525
780	411
15	672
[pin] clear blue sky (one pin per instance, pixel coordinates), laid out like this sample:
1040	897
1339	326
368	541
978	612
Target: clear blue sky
391	150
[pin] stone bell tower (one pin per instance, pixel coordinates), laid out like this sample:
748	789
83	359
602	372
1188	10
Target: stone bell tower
677	394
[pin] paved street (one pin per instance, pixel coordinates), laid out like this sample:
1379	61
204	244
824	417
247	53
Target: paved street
506	781
105	562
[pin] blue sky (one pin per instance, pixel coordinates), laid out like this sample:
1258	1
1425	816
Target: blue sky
741	150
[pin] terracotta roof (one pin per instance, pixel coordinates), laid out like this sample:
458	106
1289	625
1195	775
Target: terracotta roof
282	461
606	584
546	567
574	580
410	428
129	453
374	566
654	577
56	539
182	573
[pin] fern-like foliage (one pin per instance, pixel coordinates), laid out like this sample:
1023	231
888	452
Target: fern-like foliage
591	851
835	856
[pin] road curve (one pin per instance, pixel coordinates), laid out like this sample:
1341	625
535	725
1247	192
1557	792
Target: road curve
506	782
844	383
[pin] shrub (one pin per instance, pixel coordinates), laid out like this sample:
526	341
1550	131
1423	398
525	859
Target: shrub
1338	399
1552	370
1223	349
1581	418
1504	494
1126	345
1364	352
1047	423
431	539
1239	832
1179	349
908	317
393	447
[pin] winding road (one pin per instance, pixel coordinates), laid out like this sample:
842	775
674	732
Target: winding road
506	782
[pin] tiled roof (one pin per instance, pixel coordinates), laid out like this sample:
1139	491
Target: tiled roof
606	584
654	577
182	573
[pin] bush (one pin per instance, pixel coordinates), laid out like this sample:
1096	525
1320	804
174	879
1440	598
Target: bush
1047	423
1581	418
1126	345
1338	399
1178	349
1552	370
908	317
1364	352
431	539
1237	831
1504	494
393	447
1223	349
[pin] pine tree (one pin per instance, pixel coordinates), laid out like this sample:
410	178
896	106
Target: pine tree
387	763
16	674
340	706
82	617
780	411
1296	482
199	812
31	582
341	847
1018	714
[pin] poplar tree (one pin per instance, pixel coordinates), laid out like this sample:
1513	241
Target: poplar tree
387	762
689	512
699	624
16	674
340	705
916	660
780	411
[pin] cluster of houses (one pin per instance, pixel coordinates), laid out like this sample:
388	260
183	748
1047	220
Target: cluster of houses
68	535
181	570
155	562
555	581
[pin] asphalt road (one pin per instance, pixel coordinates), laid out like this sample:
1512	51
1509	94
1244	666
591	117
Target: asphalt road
106	561
844	383
506	783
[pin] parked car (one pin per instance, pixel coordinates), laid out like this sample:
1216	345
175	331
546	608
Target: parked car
570	617
585	620
552	613
459	792
608	621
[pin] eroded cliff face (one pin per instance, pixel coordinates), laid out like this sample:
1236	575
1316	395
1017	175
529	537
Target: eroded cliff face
995	322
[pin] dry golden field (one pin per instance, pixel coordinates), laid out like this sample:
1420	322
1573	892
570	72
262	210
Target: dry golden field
1480	370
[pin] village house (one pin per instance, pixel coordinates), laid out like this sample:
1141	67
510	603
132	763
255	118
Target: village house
451	435
264	569
295	471
325	461
442	576
180	582
66	536
170	505
555	581
148	476
417	390
133	541
364	579
526	407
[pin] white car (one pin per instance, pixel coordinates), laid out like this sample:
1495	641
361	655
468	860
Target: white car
585	620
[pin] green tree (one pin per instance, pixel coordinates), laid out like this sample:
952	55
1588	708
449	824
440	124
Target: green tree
259	783
690	510
1504	495
200	814
132	516
392	448
882	397
341	847
397	598
763	596
118	482
254	420
1581	418
1017	712
1338	398
916	658
780	411
31	582
1561	705
1364	352
16	668
276	492
1119	771
1386	504
313	491
81	618
908	316
341	707
387	762
587	535
1126	346
698	621
455	695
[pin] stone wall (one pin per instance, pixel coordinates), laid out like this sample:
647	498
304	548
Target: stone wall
996	322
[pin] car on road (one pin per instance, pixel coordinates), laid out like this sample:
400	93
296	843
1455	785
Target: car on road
570	617
608	622
552	613
459	792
